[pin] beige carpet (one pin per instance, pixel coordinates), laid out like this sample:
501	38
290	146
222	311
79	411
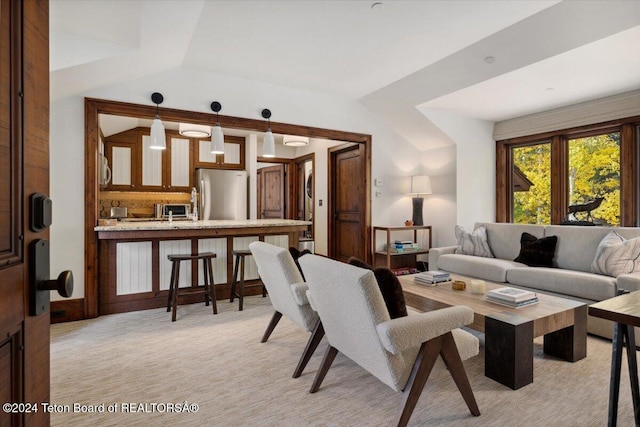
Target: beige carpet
218	363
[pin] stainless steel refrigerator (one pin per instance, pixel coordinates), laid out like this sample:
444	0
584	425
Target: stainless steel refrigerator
223	194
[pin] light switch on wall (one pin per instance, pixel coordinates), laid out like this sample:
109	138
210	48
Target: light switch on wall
378	182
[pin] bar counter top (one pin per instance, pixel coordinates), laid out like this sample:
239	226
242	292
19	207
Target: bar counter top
149	225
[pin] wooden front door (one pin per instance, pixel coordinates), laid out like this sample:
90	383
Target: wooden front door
348	203
271	200
24	169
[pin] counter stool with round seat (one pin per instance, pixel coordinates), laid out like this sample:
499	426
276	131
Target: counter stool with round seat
209	286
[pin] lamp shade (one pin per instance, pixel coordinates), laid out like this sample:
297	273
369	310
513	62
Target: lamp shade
217	140
158	138
268	145
420	184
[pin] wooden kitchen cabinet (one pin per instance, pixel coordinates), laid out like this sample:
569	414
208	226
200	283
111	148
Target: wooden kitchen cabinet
233	157
170	169
121	151
179	175
137	167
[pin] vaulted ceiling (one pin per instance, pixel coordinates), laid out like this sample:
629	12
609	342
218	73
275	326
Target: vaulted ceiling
490	60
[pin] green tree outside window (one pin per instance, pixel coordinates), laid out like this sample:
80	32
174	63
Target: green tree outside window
594	171
533	206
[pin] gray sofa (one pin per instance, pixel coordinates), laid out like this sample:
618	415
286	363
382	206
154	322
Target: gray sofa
575	252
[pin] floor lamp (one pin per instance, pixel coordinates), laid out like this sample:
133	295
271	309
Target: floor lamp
420	185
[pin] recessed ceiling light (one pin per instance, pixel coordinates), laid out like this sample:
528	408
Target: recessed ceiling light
489	59
194	131
295	141
377	6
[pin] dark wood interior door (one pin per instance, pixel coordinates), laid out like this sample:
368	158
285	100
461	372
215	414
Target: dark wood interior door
271	192
348	204
24	169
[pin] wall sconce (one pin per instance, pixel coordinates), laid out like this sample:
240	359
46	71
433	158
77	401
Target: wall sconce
420	185
158	138
217	137
268	143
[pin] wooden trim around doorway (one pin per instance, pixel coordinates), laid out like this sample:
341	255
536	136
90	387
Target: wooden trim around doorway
94	107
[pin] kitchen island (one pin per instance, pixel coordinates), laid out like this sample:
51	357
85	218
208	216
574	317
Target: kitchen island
134	272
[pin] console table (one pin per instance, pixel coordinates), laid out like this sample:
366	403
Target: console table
392	258
624	310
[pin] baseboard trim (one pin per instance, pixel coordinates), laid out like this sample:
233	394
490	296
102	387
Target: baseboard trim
67	310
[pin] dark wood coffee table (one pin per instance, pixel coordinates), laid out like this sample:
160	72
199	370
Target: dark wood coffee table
509	332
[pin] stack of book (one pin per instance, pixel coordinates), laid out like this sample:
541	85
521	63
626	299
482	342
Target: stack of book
512	297
403	271
432	277
405	245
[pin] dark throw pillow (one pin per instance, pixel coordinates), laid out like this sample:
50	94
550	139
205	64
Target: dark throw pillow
295	254
390	288
537	252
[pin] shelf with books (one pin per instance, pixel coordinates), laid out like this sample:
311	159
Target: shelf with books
401	253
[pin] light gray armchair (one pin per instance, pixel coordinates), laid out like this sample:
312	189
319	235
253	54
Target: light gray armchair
399	352
288	294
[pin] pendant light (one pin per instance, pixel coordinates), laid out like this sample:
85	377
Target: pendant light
217	137
268	143
158	138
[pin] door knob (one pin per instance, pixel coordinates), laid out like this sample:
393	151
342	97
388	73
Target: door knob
63	284
40	282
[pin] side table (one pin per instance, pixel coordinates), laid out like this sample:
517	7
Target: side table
390	254
624	310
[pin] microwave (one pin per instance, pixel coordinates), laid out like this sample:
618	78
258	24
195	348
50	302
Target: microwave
177	210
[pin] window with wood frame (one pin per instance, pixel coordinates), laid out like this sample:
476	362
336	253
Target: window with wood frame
531	183
590	173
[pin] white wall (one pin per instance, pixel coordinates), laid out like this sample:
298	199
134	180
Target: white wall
475	166
392	156
67	191
440	207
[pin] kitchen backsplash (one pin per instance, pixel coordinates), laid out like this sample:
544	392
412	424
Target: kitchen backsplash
138	204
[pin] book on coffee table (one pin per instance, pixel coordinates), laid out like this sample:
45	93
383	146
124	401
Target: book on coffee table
432	277
511	295
513	304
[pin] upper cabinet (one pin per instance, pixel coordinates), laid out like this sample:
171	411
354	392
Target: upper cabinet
137	167
121	151
233	157
180	173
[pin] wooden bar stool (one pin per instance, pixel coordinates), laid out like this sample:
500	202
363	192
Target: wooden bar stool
237	288
209	286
